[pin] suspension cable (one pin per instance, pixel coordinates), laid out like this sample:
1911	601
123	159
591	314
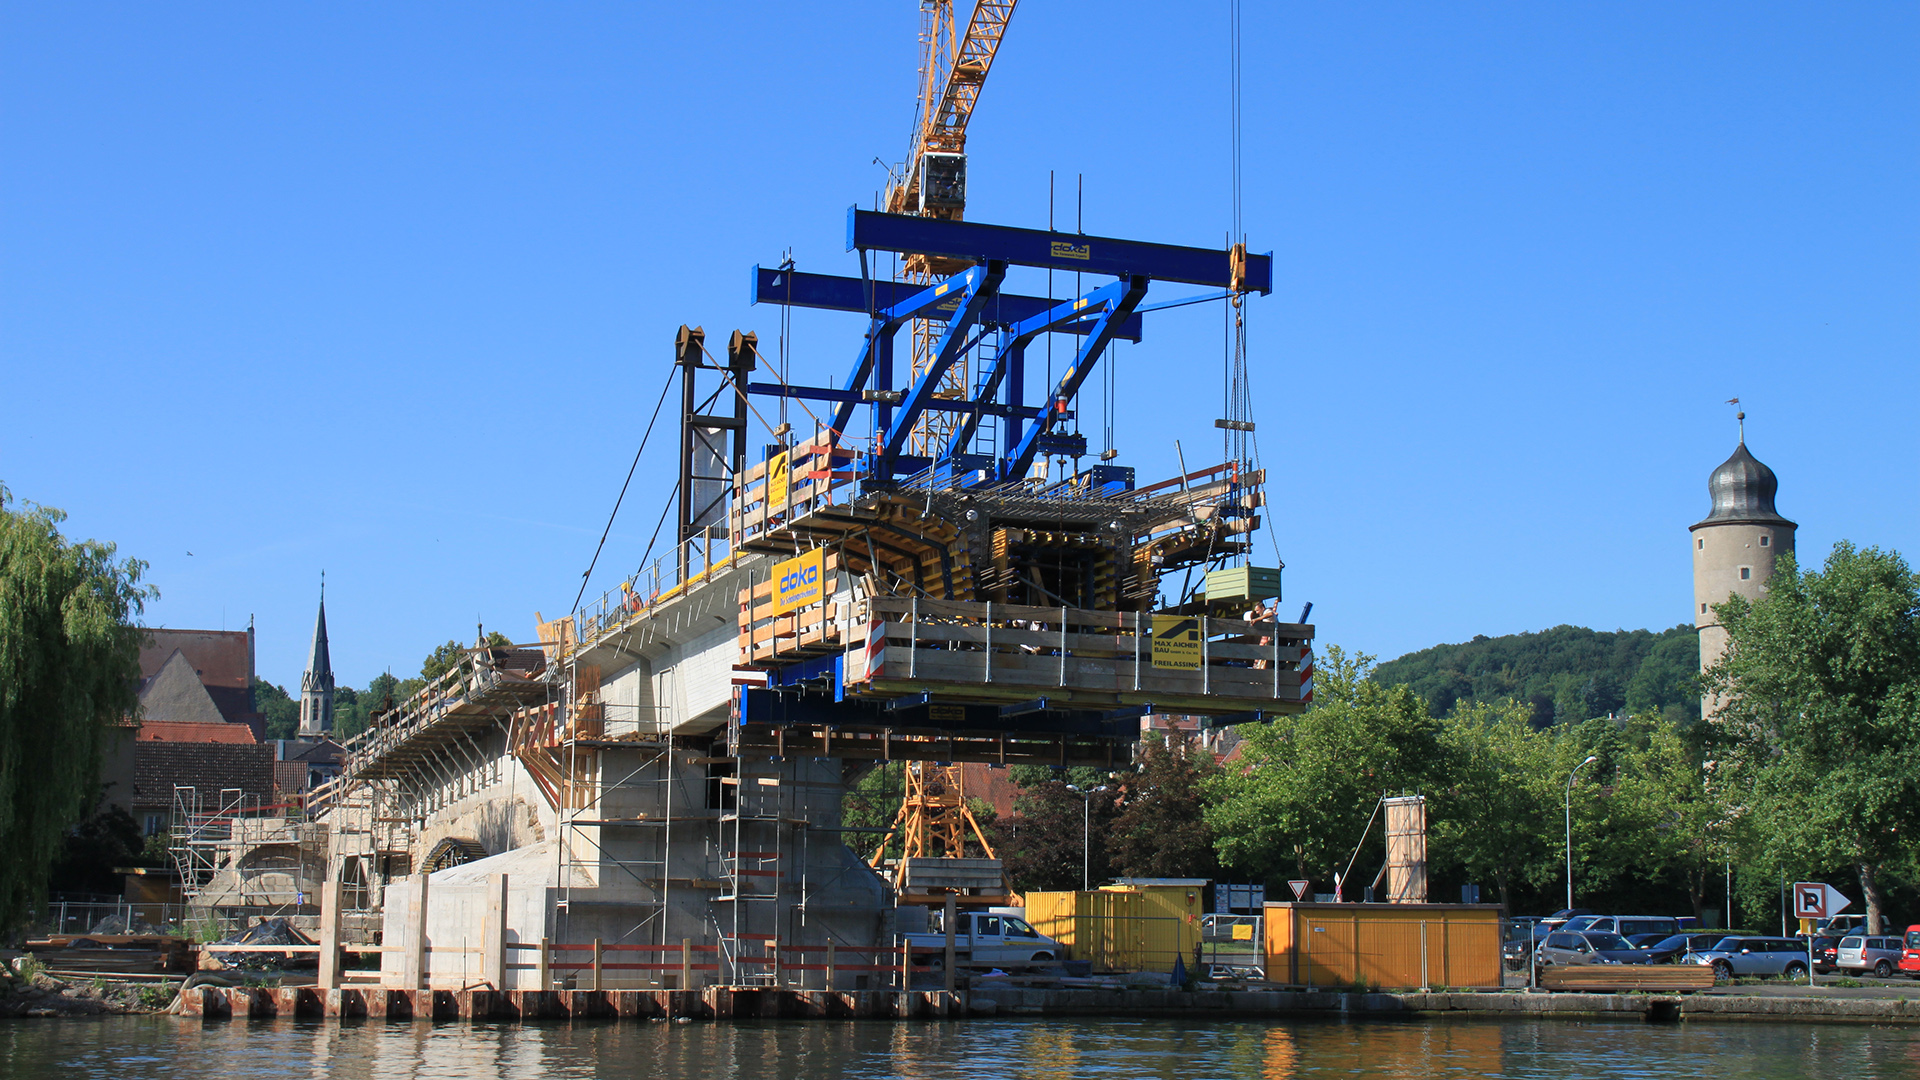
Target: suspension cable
595	561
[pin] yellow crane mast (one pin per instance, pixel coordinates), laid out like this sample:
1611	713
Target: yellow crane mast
933	181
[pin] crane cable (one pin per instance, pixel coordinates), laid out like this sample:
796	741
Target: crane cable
623	491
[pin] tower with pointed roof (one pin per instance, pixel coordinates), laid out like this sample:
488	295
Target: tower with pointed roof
1736	545
316	683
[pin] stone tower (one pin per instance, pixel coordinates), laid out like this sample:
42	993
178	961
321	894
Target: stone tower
316	683
1735	545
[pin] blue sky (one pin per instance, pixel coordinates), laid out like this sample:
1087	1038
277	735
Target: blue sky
390	290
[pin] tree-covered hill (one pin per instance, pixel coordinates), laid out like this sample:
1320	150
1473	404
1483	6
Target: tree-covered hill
1568	673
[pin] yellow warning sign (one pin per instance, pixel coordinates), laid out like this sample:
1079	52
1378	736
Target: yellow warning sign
1176	642
799	582
777	481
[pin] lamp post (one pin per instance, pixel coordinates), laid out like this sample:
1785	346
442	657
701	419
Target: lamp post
1086	835
1576	771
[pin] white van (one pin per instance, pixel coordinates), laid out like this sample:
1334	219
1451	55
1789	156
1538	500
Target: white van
1629	925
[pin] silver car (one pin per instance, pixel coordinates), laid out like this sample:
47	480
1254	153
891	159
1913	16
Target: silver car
1732	956
1880	955
1626	925
1586	948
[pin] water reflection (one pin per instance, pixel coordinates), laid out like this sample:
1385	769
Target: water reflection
1039	1049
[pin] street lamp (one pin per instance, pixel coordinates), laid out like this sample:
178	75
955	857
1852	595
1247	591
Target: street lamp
1576	770
1086	835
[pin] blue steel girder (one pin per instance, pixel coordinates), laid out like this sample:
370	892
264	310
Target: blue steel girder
1135	288
829	292
1022	333
1103	255
876	349
982	283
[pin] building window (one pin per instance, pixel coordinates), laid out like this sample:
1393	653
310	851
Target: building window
1746	572
152	824
1766	541
1703	609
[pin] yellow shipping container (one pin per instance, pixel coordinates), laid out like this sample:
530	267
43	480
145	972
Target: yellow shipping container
1391	946
1122	927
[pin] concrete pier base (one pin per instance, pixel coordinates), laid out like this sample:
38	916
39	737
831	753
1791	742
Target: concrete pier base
711	1003
742	1002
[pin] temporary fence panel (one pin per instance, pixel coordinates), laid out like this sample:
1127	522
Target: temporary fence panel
1383	945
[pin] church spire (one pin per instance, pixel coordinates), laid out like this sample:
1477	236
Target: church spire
316	683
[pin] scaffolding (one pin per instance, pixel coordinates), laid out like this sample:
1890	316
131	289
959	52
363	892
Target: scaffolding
201	830
754	828
239	855
633	845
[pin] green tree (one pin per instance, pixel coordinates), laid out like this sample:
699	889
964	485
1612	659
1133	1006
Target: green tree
107	839
1056	838
1819	707
871	804
1491	815
1568	672
1162	830
442	660
1676	805
1310	782
69	667
282	712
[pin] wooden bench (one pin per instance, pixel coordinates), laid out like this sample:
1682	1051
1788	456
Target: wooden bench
1618	977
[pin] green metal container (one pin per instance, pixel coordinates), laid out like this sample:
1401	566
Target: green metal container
1243	583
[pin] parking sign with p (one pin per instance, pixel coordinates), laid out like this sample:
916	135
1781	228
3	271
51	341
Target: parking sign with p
1817	900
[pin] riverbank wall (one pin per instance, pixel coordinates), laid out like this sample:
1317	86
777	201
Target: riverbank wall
727	1003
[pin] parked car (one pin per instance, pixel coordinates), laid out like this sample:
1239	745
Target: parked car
1826	950
1675	948
1626	925
1841	925
1559	919
1521	939
1910	956
1864	953
1561	947
1764	956
1642	941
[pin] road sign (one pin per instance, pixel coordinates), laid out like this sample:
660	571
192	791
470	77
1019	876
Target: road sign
1300	889
1817	900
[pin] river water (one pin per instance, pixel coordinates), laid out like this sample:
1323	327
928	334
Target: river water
133	1048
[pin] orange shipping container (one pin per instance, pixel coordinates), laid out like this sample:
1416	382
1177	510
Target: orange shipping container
1390	946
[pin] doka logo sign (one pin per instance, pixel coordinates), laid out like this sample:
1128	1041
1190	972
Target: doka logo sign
1176	642
799	582
1062	249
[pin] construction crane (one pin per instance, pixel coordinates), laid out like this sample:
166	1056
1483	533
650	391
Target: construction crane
953	68
934	820
933	180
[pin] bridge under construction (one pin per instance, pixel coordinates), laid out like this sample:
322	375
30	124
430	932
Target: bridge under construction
923	572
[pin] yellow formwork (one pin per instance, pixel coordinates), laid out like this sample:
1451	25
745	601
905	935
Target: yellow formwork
1122	927
1391	946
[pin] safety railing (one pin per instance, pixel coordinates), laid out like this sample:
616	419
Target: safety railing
685	568
1178	659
